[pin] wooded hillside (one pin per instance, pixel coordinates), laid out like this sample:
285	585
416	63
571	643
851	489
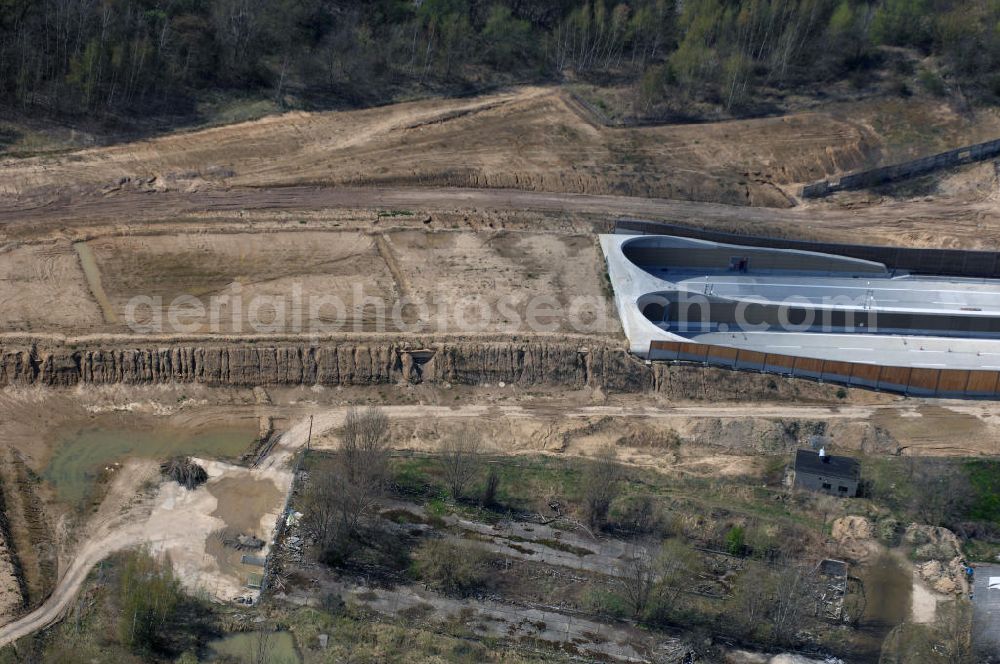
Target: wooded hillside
130	57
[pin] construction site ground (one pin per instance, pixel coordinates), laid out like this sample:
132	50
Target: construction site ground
493	198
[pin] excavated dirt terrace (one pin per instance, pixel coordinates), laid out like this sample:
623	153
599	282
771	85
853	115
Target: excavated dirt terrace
412	281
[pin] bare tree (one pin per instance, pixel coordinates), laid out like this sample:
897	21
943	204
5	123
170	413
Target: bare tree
343	493
947	493
322	506
601	485
946	641
364	444
490	487
954	630
750	599
676	564
637	580
791	601
649	580
261	646
460	460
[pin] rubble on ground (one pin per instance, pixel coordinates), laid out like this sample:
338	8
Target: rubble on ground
944	576
855	538
941	552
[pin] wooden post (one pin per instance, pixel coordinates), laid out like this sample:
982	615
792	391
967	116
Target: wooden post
309	439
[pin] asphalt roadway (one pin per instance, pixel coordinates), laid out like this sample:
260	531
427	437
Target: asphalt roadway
986	606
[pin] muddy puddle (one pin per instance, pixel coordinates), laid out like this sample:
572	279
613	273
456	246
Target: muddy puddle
81	454
888	587
93	274
888	584
242	503
251	647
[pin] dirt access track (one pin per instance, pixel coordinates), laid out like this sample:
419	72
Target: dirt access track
488	160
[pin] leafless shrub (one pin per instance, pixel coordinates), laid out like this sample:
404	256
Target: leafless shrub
601	486
773	604
955	627
792	602
363	444
460	460
639	514
490	487
652	580
456	567
261	646
637	580
342	495
750	601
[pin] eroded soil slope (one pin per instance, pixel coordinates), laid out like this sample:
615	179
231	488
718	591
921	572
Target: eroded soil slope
529	139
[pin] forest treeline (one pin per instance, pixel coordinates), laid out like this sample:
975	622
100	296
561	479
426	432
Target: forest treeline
135	57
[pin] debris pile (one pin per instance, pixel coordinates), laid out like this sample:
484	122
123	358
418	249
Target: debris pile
240	541
940	556
184	471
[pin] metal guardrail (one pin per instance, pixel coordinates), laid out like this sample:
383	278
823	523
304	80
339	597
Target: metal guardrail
908	169
945	262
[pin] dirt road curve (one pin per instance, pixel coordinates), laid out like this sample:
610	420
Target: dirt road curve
69	585
907	222
115	529
134	205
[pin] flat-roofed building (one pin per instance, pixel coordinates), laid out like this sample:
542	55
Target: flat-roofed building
819	471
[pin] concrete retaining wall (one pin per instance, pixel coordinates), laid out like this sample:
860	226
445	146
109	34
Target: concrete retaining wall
908	169
925	382
944	262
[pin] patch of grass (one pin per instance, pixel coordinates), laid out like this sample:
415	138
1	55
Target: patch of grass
394	213
438	507
356	637
985	479
403	516
553	544
606	603
981	551
412	478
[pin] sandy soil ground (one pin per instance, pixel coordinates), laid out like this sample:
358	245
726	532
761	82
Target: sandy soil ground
528	138
924	602
923	221
43	287
11	597
315	281
247	267
512	147
174	522
442	279
651	430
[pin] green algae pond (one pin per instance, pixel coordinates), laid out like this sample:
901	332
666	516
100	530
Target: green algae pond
81	454
248	648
